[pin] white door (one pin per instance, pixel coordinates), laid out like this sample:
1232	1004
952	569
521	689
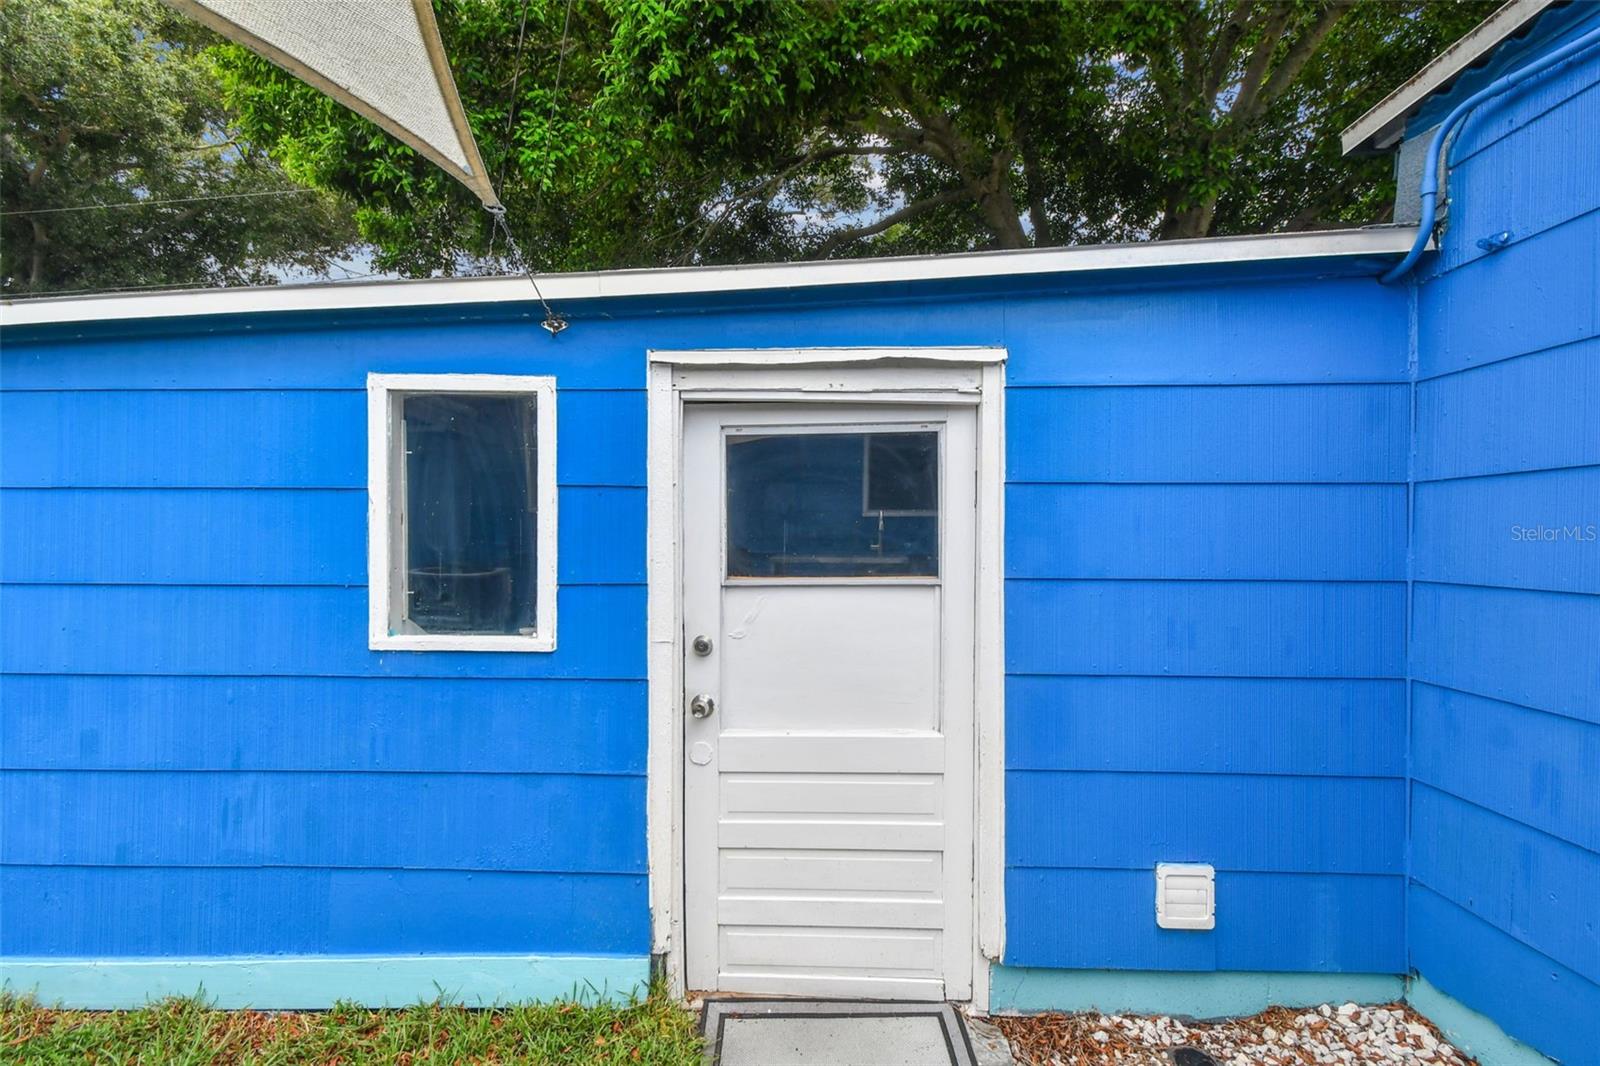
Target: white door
828	610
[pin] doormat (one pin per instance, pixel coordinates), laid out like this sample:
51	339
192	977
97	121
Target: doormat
787	1032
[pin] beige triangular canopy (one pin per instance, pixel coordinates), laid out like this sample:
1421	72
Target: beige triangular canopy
381	58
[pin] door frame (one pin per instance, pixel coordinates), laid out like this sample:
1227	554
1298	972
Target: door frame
953	376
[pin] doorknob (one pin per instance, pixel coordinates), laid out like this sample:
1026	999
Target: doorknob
702	706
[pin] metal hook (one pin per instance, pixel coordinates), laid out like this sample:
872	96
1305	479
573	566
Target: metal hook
553	321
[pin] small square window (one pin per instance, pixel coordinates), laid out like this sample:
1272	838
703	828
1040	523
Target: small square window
462	488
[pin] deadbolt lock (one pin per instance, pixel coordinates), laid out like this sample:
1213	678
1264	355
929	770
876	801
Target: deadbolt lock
701	645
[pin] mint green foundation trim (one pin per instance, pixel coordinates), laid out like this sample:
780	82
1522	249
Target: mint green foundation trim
1022	990
311	982
1476	1034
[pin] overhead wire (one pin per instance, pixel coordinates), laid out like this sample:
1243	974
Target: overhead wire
553	322
511	113
154	203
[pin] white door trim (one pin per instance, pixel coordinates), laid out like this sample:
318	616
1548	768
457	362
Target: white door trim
851	375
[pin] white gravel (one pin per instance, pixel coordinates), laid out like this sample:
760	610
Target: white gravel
1346	1035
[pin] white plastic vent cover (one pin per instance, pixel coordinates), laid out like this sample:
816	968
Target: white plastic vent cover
380	58
1186	896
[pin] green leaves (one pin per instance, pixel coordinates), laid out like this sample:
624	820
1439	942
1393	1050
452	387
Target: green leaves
119	166
651	132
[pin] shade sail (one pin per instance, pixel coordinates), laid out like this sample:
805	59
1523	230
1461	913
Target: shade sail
380	58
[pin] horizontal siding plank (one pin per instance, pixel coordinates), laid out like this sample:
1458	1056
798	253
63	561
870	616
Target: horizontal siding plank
288	631
259	438
1529	995
609	352
184	536
600	437
1206	725
541	822
1243	823
1208	434
1521	881
1283	532
1545	292
1243	331
1534	767
1534	531
1237	629
315	352
601	536
1104	919
1537	649
305	723
111	912
244	439
1477	422
254	537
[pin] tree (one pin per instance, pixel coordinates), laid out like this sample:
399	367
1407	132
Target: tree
629	133
119	167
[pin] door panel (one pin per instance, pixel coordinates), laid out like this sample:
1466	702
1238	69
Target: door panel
793	658
801	793
900	873
828	562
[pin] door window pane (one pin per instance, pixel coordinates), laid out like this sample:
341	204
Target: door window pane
902	475
833	505
469	517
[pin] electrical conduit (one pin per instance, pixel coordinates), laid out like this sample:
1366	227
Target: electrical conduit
1429	189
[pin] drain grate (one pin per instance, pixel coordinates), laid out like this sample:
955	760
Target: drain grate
770	1032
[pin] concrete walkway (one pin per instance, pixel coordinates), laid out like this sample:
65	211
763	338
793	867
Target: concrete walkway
755	1032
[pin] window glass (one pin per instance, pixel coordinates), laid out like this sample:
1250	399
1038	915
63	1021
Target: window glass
833	505
469	521
902	475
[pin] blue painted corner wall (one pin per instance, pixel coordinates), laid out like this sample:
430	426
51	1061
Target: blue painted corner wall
1504	649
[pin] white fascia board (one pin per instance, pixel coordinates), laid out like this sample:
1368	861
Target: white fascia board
561	289
1382	127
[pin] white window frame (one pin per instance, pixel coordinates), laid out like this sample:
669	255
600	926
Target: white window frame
385	478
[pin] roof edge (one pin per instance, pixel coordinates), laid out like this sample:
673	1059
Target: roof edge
1382	127
1375	241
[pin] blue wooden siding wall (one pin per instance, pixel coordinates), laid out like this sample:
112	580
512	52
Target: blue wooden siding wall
1206	524
1505	627
201	755
1206	607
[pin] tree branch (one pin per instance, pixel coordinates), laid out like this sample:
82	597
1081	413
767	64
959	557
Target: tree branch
1300	53
1260	60
914	139
1222	54
767	187
1035	181
910	211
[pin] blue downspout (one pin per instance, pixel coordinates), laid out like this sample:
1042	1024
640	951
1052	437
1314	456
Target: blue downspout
1429	189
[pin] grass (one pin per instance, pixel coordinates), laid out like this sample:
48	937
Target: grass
654	1032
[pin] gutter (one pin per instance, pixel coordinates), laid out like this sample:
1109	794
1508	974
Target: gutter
1373	242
